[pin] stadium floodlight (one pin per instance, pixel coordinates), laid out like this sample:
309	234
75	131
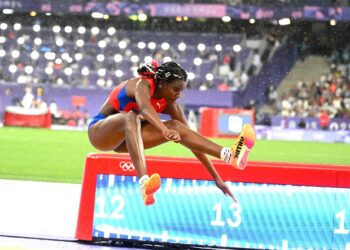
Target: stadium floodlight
141	45
85	71
33	13
81	30
201	47
97	15
167	59
78	56
102	44
34	55
197	61
58	61
237	48
2	39
135	74
142	17
49	70
332	22
209	76
15	54
134	58
65	56
190	75
106	16
151	45
36	27
20	40
68	29
119	73
284	21
80	42
118	58
148	59
12	68
101	72
165	46
111	31
69	60
56	29
181	46
252	20
37	41
100	57
22	79
28	69
2	53
122	44
48	14
100	82
218	47
7	11
17	26
3	26
68	71
50	55
226	19
95	30
59	41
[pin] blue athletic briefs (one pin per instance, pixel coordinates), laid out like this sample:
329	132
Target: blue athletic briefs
97	118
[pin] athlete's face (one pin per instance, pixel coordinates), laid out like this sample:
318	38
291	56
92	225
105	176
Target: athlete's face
171	91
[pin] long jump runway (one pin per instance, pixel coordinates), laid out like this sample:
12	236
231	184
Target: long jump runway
40	216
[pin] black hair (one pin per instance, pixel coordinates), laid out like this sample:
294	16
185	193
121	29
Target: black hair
167	72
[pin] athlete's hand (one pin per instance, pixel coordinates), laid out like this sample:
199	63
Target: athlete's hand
172	135
224	188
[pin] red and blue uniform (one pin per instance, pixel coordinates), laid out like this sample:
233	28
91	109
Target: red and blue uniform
119	100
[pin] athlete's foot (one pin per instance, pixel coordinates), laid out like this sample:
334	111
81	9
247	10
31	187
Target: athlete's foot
149	187
242	147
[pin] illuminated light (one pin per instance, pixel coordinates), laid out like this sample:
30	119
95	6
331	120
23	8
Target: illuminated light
58	61
100	57
36	27
17	26
178	19
332	22
284	21
80	42
97	15
65	56
102	44
28	69
12	68
252	20
197	61
182	46
34	55
105	16
185	18
119	73
190	75
37	41
148	59
101	82
49	70
165	46
15	54
68	29
122	44
237	48
141	45
7	11
101	72
133	17
48	14
201	47
151	45
2	53
59	41
33	13
209	77
50	55
20	40
142	17
2	39
69	60
134	58
118	58
56	29
226	19
218	47
95	30
111	31
68	71
3	26
167	59
85	71
81	30
78	56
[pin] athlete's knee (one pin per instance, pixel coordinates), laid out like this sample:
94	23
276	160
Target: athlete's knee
176	125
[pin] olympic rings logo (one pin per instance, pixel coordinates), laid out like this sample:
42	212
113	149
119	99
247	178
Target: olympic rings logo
126	166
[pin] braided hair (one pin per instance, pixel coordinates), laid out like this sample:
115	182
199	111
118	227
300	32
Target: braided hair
167	72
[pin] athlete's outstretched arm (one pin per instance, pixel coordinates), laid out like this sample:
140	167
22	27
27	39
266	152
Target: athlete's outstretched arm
176	112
